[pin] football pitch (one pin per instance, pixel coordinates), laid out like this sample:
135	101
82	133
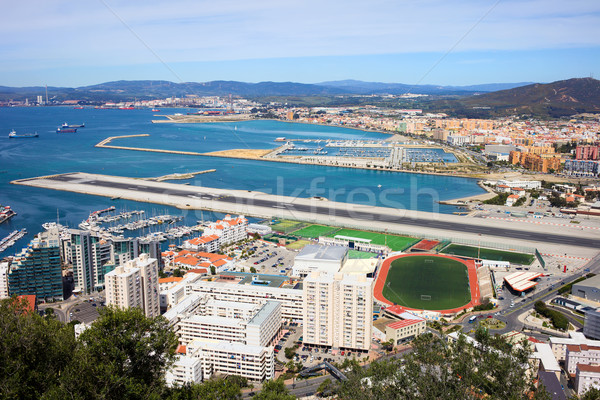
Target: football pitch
286	226
426	282
489	254
394	242
314	231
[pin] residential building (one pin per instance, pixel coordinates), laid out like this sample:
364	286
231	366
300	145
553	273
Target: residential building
185	370
586	377
4	280
207	243
188	260
89	254
527	185
581	354
559	344
319	258
591	324
582	168
229	230
338	310
587	152
250	324
290	299
256	363
406	327
37	269
135	284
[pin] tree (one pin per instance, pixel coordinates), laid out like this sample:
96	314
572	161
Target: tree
177	273
33	350
125	352
213	389
274	390
325	386
213	270
253	270
592	394
289	352
437	369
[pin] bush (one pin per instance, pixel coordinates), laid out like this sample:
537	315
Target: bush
558	320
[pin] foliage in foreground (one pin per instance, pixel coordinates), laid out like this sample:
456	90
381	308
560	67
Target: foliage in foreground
437	369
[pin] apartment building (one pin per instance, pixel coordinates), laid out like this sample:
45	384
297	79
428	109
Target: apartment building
3	280
229	230
246	323
338	310
135	284
37	269
291	299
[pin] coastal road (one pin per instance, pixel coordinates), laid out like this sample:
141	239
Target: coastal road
233	200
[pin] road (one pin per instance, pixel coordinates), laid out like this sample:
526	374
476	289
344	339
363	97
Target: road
206	198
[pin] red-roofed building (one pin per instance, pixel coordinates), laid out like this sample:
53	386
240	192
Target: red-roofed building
189	260
586	377
208	243
31	301
165	283
403	327
229	230
512	199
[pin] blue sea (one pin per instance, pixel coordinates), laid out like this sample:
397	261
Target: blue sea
54	153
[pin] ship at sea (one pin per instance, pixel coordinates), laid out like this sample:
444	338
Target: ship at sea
14	135
66	130
65	125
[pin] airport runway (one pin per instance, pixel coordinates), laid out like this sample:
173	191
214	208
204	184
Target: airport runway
266	205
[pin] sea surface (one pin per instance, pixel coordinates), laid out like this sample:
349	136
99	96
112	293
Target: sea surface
54	153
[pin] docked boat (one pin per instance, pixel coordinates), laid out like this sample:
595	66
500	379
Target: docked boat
14	135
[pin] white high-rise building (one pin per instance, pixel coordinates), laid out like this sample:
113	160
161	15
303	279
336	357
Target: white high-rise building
338	310
135	284
4	280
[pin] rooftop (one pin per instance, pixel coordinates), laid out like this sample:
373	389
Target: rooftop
318	252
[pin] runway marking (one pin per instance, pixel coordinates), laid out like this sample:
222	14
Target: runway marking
571	257
544	223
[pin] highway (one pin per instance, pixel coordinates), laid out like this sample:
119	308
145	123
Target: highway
209	198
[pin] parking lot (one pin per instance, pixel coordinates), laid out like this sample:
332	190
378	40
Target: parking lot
268	258
84	311
310	355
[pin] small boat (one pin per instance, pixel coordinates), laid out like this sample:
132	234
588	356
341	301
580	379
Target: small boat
155	110
13	135
78	108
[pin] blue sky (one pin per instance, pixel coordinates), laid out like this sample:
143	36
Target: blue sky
447	42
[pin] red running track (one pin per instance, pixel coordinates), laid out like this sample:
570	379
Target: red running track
471	269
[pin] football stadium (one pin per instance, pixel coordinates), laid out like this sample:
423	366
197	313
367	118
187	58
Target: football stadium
428	282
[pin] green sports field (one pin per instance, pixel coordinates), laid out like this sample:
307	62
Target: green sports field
356	254
286	226
314	231
411	279
489	254
394	242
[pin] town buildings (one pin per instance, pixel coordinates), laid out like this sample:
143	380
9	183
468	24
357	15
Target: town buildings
37	269
135	284
319	258
338	310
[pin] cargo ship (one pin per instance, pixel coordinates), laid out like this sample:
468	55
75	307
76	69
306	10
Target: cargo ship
66	130
6	213
13	135
65	125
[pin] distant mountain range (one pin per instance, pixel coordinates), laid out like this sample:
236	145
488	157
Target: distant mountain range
130	90
556	99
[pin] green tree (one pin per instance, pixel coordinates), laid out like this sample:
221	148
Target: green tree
33	351
592	394
213	270
274	390
126	354
325	386
253	270
177	273
213	389
289	352
437	369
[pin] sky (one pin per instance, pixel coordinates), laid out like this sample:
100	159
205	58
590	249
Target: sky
444	42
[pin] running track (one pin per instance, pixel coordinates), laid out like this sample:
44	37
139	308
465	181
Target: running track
473	283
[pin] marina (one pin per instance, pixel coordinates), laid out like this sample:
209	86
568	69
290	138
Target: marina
11	239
